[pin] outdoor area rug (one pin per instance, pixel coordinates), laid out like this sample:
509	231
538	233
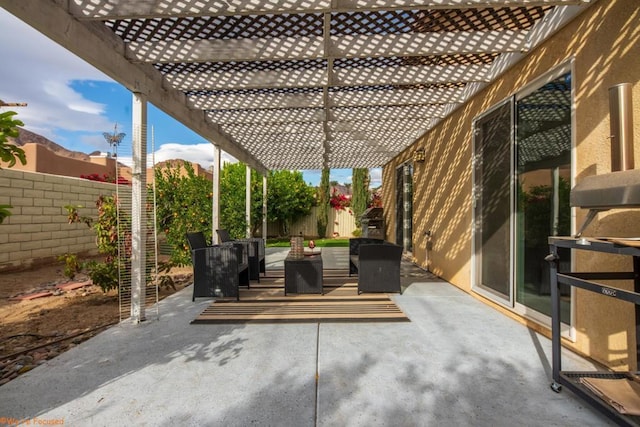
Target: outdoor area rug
267	304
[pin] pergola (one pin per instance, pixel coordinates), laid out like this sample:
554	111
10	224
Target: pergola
298	84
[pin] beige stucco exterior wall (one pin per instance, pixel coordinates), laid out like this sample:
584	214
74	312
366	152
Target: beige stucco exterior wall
41	159
604	45
38	230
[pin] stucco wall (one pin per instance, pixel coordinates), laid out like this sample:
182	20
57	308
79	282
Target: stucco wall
604	45
38	230
41	159
605	326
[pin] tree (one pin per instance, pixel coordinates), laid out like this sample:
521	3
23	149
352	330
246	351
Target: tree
9	153
323	203
183	204
288	198
360	193
233	200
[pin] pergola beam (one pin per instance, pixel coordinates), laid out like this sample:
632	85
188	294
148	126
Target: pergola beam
347	114
394	124
266	116
245	101
301	48
147	9
368	98
275	128
403	75
363	98
316	127
310	141
295	117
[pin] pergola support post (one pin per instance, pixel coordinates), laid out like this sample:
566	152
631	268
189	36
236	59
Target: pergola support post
138	207
215	189
264	208
248	201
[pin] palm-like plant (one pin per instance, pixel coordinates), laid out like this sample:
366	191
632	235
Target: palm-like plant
9	153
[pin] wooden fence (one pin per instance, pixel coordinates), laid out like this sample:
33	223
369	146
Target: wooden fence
340	224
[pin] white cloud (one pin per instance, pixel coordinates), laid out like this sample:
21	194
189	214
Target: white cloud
197	153
38	71
375	177
201	154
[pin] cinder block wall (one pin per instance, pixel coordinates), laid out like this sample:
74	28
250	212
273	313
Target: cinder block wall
38	230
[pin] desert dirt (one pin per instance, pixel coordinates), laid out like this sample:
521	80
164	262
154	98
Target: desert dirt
33	331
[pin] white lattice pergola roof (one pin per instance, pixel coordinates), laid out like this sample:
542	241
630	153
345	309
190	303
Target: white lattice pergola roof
302	84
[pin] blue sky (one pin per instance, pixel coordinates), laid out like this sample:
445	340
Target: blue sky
72	103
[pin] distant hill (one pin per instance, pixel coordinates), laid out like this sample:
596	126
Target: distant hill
26	136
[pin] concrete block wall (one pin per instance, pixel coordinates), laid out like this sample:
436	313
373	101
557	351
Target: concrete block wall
38	230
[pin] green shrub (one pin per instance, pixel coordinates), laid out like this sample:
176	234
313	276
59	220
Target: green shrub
104	274
71	265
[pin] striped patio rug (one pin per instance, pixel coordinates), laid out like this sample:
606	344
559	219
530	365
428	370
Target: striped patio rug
266	303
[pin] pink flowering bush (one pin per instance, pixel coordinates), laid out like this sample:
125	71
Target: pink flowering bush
376	200
339	201
105	178
97	177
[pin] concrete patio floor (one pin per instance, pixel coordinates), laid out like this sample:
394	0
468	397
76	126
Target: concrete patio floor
457	363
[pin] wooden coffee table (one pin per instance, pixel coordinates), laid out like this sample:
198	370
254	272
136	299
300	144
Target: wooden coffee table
303	275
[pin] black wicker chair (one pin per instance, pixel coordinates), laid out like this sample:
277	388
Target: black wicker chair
378	267
354	250
257	263
218	270
223	236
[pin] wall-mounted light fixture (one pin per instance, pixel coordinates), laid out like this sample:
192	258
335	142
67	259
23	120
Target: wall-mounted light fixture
419	155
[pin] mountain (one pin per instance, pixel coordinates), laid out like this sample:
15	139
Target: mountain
26	136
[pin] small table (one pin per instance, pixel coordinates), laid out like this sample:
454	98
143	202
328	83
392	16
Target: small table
303	275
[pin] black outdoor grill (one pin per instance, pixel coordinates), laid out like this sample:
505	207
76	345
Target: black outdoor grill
620	188
608	191
372	222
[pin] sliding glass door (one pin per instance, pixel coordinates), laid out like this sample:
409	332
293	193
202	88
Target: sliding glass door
543	123
522	179
404	206
492	202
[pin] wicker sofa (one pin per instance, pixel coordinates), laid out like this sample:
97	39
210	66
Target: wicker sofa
377	263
